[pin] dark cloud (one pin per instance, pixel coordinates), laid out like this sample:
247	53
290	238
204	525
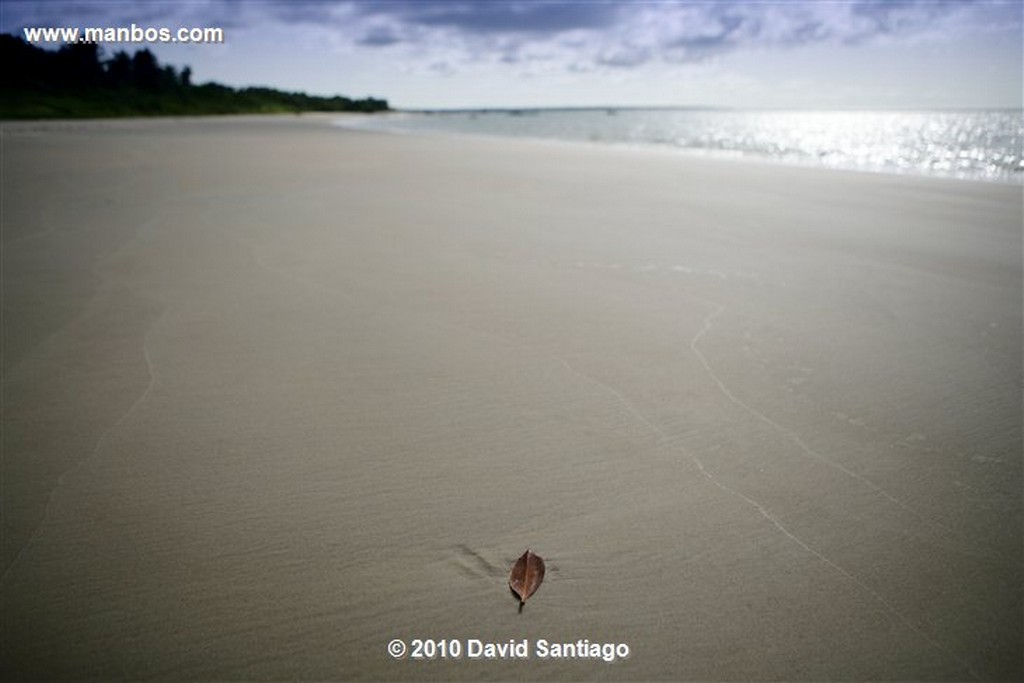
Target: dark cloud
499	16
702	45
809	32
300	12
696	30
379	37
872	19
736	25
615	34
892	15
18	14
625	58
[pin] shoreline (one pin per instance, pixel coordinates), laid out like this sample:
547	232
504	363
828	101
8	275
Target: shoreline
692	153
343	121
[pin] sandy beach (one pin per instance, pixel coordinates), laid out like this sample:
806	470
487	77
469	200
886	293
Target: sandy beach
276	393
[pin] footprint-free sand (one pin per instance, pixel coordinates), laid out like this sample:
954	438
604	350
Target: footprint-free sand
276	393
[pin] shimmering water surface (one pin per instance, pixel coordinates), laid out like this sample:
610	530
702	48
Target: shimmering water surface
981	145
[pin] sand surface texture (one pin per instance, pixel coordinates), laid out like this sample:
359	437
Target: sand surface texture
276	393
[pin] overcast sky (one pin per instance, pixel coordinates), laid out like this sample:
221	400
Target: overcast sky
492	53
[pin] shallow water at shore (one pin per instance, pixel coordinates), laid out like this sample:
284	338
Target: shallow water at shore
977	145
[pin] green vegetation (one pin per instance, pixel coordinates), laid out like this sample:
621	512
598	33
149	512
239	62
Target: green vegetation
74	82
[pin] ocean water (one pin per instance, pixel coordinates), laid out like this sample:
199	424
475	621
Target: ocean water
978	145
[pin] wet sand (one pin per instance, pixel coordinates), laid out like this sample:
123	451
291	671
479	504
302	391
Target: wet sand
276	393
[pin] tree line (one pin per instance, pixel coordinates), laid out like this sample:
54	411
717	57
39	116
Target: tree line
76	81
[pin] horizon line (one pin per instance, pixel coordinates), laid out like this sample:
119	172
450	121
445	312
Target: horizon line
685	107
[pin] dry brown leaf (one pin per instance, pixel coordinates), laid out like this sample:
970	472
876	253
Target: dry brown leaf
526	576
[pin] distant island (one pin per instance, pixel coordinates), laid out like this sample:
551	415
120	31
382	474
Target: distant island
76	82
